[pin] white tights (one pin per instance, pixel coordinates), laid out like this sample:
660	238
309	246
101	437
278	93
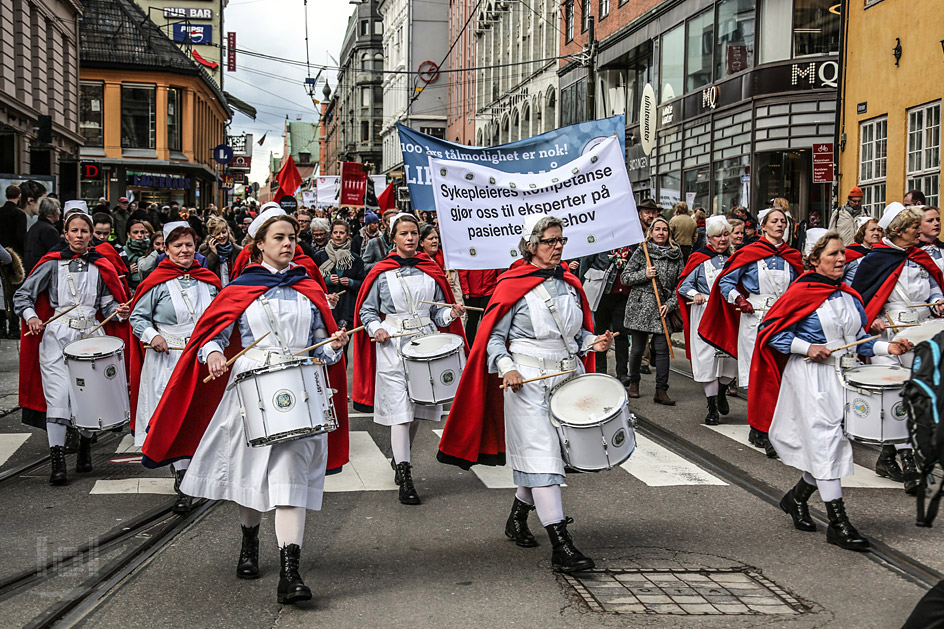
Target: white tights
56	434
712	388
180	464
829	489
289	523
547	502
401	440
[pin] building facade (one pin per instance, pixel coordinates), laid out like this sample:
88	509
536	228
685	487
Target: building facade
893	82
149	116
460	113
415	92
517	86
742	92
39	93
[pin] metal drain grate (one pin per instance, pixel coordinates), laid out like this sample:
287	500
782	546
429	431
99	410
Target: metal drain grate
704	591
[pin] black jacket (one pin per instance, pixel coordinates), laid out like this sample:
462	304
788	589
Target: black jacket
12	227
40	240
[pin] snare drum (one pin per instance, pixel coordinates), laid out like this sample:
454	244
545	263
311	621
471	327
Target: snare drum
874	412
922	332
593	422
98	385
287	401
433	365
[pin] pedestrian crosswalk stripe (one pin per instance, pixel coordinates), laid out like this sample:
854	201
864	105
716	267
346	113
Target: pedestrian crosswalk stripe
657	466
492	476
127	446
368	469
134	486
10	443
862	476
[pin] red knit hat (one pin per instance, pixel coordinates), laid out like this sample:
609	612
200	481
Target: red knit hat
856	192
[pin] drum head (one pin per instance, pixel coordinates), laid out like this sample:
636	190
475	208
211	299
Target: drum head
878	375
587	399
924	332
432	346
94	346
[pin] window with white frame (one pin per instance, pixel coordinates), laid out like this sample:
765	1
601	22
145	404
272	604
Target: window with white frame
924	151
604	8
873	137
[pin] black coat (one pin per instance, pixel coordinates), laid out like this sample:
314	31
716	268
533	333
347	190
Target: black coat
12	227
40	240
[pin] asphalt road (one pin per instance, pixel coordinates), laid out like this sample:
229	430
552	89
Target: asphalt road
672	519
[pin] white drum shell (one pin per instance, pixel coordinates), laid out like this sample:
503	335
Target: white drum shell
605	435
874	412
434	379
98	386
285	402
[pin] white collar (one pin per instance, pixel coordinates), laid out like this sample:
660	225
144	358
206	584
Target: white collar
891	244
272	269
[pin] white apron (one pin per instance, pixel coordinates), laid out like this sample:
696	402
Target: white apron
707	364
284	474
806	429
531	443
913	287
158	367
74	288
773	283
392	404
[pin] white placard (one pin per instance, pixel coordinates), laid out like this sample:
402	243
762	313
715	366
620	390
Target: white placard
308	198
481	210
328	190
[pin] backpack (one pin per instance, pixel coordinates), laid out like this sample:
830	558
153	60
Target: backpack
925	407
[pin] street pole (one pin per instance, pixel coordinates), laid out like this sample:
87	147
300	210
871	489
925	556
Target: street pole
591	71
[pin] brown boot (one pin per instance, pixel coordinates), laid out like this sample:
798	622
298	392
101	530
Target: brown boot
661	397
633	390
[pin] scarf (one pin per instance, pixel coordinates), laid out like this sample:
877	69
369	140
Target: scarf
339	257
138	247
224	250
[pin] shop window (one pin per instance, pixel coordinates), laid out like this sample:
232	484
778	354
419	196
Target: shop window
873	137
91	113
815	28
569	20
732	185
673	63
638	74
138	116
574	103
611	93
696	187
173	119
670	189
700	47
776	17
735	49
924	151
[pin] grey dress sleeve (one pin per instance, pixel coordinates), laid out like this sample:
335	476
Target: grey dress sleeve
39	281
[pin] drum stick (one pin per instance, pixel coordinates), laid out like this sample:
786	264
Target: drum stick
848	345
603	338
550	375
48	321
756	309
442	303
245	349
106	320
924	305
394	336
325	342
168	347
655	290
896	326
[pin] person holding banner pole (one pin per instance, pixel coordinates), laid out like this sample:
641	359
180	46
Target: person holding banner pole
390	305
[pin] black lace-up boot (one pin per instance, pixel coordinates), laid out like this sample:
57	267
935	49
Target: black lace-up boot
83	459
722	398
712	418
566	557
887	466
57	457
248	566
184	502
408	495
516	527
795	503
840	531
291	587
909	471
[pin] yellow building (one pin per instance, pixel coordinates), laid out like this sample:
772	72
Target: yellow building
893	83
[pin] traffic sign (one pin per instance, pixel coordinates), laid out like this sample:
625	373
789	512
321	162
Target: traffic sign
823	166
223	154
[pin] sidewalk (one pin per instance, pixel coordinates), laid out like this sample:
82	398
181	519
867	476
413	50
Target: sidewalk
9	376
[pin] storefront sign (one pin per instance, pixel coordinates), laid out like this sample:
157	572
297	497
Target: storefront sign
710	97
193	33
241	162
231	52
815	74
668	115
637	164
822	163
168	182
91	171
647	119
188	13
227	182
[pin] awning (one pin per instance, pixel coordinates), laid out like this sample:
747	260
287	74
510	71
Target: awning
240	105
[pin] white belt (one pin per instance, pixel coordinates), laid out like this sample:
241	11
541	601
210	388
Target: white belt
81	323
173	340
909	316
762	301
405	325
546	364
269	356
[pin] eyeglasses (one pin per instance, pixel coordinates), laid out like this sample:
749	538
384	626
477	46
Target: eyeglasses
553	241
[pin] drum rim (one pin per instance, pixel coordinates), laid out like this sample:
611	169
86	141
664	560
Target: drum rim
431	358
299	362
624	404
96	356
873	385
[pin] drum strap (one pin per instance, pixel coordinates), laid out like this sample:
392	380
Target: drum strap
406	290
551	304
187	302
274	325
71	281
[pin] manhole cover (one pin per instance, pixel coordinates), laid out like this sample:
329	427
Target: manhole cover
704	591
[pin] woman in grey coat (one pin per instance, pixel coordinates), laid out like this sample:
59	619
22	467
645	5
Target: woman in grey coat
642	314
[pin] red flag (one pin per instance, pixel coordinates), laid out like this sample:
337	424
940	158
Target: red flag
289	179
353	183
387	199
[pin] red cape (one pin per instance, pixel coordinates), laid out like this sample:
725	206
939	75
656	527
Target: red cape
719	324
803	297
164	272
365	352
182	416
695	259
31	387
854	252
475	429
243	260
109	251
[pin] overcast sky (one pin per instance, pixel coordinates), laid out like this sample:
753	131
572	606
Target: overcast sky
277	27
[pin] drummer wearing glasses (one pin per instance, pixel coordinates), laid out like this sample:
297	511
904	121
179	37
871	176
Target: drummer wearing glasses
897	280
537	325
802	397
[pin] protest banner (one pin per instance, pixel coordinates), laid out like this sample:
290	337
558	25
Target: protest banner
328	190
537	154
481	209
353	183
308	198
